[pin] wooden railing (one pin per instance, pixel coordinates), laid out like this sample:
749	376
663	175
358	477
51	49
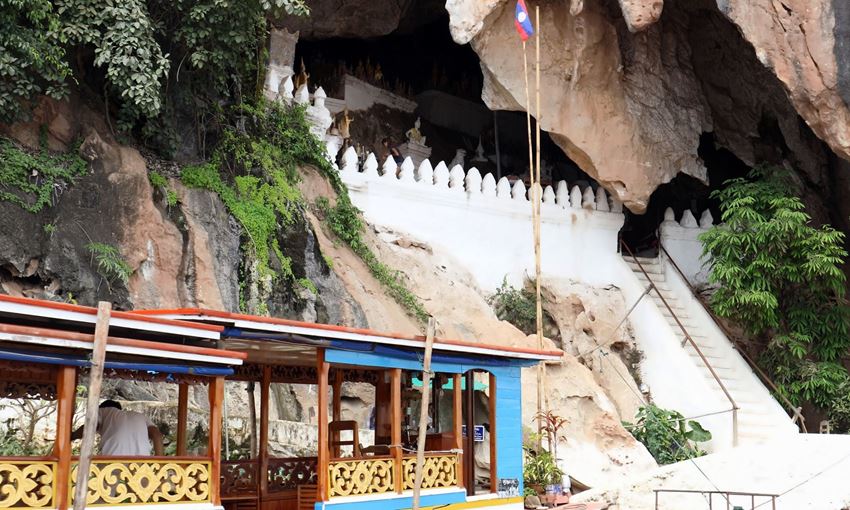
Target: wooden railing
239	478
27	482
355	477
795	411
288	473
145	480
439	470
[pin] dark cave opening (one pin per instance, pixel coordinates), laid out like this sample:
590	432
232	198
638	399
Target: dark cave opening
640	231
424	64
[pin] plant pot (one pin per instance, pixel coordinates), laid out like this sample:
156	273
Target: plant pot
537	487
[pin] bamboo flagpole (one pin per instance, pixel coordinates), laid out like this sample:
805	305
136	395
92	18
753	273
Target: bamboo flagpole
525	30
542	402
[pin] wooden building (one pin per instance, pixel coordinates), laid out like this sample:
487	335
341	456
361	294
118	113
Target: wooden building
473	447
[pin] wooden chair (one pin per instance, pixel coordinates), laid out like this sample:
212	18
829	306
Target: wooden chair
334	430
307	496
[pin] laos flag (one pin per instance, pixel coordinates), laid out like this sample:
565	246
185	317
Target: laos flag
522	21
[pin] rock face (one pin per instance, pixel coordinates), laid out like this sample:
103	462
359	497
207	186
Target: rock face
628	89
625	107
355	18
805	44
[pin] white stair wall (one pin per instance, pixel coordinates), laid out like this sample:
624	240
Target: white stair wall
760	417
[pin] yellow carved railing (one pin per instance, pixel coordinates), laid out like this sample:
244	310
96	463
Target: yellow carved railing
29	483
145	480
439	470
361	476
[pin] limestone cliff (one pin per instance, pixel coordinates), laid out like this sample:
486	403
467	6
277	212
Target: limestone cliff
628	89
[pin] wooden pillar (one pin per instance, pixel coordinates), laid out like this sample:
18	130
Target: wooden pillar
66	386
214	447
457	417
182	417
494	481
323	460
395	413
263	451
469	444
98	359
336	408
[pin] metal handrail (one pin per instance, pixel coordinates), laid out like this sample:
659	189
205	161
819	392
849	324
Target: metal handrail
693	344
727	495
764	377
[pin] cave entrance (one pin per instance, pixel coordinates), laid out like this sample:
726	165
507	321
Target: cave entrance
420	72
641	232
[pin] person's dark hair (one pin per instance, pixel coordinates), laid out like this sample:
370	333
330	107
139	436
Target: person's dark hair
110	403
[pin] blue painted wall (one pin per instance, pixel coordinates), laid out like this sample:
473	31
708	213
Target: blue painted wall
508	399
394	503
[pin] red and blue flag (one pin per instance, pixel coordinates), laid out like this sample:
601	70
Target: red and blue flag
522	21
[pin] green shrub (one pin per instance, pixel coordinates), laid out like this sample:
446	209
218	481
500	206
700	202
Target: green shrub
780	278
517	306
540	468
667	435
110	264
31	179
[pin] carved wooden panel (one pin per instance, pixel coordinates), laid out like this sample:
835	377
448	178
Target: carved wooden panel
239	478
136	481
288	474
27	484
361	477
438	471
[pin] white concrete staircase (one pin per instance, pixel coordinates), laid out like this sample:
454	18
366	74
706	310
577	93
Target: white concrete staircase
760	417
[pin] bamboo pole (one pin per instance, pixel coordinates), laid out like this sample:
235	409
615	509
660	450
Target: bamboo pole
101	332
182	417
542	404
423	411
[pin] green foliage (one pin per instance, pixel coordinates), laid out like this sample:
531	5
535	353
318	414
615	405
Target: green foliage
262	157
11	444
138	43
781	278
667	435
122	35
264	193
111	266
540	468
516	306
306	283
30	179
158	181
343	219
32	59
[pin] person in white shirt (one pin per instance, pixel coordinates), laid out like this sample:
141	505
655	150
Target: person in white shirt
124	433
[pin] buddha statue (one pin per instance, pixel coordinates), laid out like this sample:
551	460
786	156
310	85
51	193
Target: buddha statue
414	135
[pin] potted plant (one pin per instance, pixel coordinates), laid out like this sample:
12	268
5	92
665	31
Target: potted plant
541	469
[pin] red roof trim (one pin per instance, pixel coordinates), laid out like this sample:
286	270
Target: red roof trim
124	342
117	314
343	329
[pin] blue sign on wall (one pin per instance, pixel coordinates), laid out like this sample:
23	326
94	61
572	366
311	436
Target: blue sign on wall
478	433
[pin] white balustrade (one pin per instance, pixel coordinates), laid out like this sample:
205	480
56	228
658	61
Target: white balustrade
488	186
503	189
407	169
588	199
390	167
425	173
473	181
370	167
441	176
456	177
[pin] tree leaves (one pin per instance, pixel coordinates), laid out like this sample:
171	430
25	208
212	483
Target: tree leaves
780	277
